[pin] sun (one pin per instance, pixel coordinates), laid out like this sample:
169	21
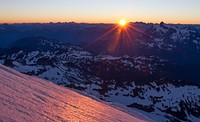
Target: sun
122	22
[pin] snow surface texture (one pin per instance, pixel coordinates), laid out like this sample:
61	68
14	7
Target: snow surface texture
26	98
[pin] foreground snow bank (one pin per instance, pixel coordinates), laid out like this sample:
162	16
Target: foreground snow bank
26	98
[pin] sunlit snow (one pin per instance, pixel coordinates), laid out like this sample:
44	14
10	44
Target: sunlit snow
26	98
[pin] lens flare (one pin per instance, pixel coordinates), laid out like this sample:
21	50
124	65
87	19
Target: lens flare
118	37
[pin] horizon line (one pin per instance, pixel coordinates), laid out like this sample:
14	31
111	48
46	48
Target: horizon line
67	22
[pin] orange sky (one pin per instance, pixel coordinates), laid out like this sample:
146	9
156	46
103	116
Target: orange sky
100	11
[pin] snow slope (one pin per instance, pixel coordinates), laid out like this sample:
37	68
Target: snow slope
26	98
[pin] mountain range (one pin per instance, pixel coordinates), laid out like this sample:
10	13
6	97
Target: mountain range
153	70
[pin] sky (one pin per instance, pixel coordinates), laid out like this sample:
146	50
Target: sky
100	11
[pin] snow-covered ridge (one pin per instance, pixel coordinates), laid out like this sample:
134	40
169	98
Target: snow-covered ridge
26	98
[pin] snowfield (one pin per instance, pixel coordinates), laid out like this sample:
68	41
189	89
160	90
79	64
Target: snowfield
26	98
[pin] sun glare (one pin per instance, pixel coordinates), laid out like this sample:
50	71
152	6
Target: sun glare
122	22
